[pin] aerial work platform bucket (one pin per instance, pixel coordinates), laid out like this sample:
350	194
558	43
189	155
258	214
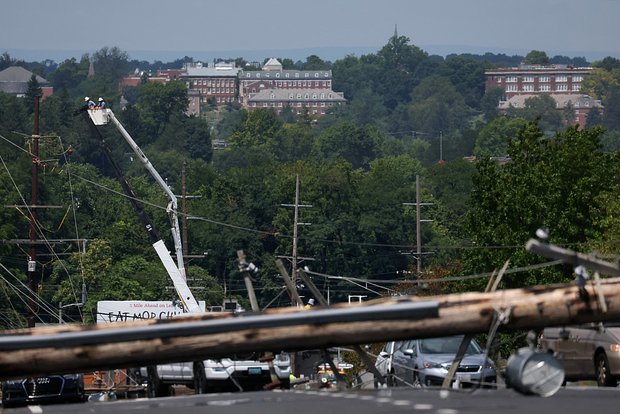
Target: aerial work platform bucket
99	116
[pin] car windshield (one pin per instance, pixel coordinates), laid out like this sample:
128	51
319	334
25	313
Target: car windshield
447	345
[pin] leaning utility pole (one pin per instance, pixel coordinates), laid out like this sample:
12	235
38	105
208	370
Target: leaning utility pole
33	277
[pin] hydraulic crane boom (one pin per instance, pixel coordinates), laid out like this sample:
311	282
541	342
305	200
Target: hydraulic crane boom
176	271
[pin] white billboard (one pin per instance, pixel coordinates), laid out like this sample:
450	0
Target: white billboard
137	310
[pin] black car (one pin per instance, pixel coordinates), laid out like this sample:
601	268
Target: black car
43	390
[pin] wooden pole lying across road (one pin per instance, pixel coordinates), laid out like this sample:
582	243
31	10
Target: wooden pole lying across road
528	308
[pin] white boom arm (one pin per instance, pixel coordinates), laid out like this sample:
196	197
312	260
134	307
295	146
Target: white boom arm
175	271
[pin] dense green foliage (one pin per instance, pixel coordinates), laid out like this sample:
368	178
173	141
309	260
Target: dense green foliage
408	114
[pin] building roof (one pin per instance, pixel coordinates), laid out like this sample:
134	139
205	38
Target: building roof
312	95
539	70
19	74
561	100
217	71
272	64
286	74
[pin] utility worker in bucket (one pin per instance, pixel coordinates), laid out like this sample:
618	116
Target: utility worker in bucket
101	103
90	104
310	304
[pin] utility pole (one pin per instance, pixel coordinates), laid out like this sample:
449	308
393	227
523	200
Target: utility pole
418	220
440	146
296	223
33	277
184	216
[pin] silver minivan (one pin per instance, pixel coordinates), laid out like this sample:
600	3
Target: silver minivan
587	352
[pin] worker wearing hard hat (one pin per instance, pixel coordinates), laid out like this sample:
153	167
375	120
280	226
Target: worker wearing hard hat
101	103
90	104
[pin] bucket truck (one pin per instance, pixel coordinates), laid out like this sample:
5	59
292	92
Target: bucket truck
223	374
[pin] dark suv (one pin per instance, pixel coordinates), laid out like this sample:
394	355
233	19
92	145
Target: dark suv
42	390
587	352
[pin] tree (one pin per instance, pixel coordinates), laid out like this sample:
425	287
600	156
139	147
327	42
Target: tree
34	90
313	62
549	182
345	140
258	129
398	63
437	106
158	103
537	57
467	76
493	139
543	108
490	102
67	75
111	63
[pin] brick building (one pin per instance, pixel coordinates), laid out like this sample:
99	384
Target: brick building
276	88
215	83
561	82
534	79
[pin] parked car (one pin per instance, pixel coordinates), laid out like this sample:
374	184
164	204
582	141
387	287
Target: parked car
587	352
425	362
43	390
220	375
384	364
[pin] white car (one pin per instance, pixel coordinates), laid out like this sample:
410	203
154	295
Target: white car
384	364
220	375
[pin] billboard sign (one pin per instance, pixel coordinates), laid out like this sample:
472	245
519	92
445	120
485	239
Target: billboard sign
137	310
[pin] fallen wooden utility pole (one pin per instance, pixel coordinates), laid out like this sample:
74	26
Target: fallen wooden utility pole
473	312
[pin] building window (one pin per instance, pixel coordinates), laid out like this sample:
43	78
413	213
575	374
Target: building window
544	88
528	88
577	78
561	78
296	74
316	74
248	75
561	87
258	75
306	75
543	78
511	78
290	96
307	96
314	96
528	79
286	75
511	88
322	96
576	87
298	96
277	75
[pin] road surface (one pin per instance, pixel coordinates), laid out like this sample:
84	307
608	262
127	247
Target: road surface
394	400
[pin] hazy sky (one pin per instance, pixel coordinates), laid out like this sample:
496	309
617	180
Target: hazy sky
569	27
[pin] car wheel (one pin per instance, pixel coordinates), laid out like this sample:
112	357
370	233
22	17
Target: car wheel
154	386
416	380
603	374
200	378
